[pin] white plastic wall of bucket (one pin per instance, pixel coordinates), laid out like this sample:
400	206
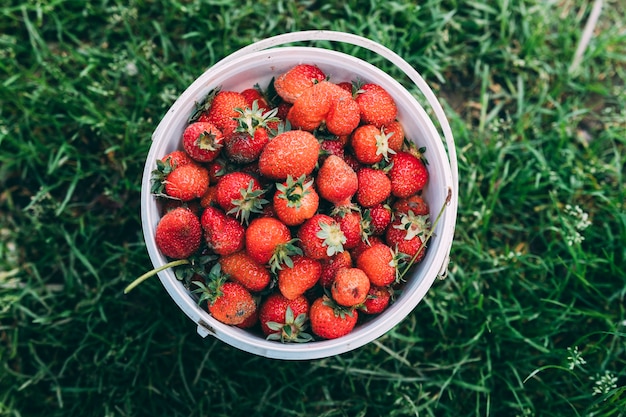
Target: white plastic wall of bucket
258	65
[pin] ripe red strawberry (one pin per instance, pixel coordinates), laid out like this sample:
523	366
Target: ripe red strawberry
407	234
239	194
187	182
228	302
343	116
336	181
209	198
283	319
395	135
298	278
251	95
269	242
245	144
346	85
290	84
331	147
203	141
376	105
353	162
223	234
414	203
240	267
178	233
312	107
370	144
293	152
364	244
408	174
350	222
177	158
216	169
378	299
330	322
374	187
380	264
331	265
321	237
223	110
350	287
295	200
377	219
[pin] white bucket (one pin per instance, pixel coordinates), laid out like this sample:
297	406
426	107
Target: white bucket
258	63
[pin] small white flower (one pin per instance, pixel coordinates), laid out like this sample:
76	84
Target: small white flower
575	358
603	384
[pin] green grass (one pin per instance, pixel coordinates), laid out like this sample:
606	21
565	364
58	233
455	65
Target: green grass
530	321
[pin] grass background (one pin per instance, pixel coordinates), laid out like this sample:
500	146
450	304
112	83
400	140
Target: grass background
530	321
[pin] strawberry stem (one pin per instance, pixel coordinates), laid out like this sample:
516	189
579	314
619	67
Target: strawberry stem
155	271
428	235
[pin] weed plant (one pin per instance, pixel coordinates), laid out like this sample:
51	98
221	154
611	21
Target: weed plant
530	320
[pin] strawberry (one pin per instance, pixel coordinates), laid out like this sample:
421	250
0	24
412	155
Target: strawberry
216	168
178	233
377	300
331	265
346	85
374	187
209	198
203	141
246	271
269	242
376	105
350	221
353	162
414	203
295	200
321	237
336	181
223	110
245	144
228	302
290	84
177	158
364	244
223	234
331	147
187	182
328	321
376	219
251	321
312	107
240	194
370	144
408	174
283	319
407	234
164	167
350	287
395	135
253	94
379	263
293	152
343	116
301	276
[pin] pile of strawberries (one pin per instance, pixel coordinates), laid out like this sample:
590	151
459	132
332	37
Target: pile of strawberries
295	206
